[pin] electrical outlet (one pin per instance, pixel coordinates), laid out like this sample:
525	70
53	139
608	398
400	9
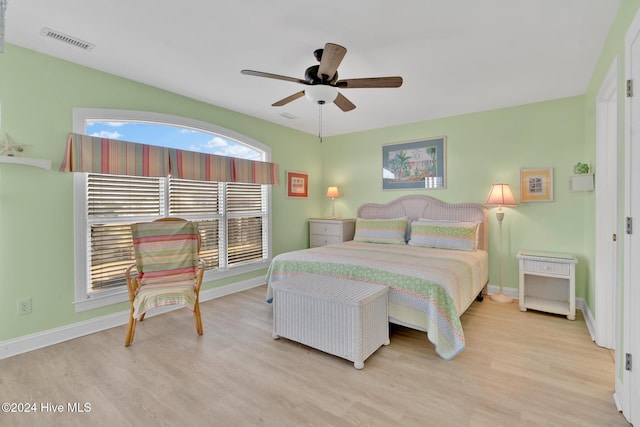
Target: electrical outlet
24	306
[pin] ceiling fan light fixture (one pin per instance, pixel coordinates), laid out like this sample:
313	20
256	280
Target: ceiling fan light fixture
321	94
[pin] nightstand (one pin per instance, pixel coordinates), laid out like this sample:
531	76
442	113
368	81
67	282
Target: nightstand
327	231
548	282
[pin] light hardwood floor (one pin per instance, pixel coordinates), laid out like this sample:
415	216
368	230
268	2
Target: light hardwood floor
518	369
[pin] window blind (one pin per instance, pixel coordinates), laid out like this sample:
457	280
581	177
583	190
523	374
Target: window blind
124	196
246	223
194	200
111	254
188	197
115	202
109	197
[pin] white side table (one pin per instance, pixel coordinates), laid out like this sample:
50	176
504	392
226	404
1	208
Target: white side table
548	282
327	231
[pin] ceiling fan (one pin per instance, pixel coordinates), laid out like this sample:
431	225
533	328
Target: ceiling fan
322	80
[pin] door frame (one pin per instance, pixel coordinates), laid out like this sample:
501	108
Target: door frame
607	286
627	383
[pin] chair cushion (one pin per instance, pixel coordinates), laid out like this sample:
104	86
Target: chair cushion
165	251
157	295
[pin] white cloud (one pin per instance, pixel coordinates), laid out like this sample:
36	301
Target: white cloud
217	142
112	124
105	134
224	147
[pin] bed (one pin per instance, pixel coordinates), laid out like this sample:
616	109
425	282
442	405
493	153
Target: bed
435	266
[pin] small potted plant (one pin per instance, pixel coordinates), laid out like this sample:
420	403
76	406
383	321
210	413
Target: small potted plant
581	168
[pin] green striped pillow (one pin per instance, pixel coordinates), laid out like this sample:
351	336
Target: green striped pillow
390	231
444	234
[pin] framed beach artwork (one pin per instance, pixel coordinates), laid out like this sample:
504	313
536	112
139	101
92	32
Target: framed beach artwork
536	185
297	184
415	164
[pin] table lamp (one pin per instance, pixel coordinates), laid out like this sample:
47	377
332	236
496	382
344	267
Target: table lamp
333	193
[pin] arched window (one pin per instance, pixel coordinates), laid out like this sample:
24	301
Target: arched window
233	217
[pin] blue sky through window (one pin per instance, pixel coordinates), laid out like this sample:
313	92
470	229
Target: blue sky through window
172	137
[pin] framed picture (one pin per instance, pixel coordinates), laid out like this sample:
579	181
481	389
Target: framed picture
297	184
536	185
415	164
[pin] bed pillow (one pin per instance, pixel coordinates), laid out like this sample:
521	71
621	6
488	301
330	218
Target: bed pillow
444	234
391	231
462	223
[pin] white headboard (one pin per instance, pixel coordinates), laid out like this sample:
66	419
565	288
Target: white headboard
416	206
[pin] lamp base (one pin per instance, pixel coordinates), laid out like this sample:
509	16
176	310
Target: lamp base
501	298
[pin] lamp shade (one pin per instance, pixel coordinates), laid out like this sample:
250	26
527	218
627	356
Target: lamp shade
333	192
321	94
500	195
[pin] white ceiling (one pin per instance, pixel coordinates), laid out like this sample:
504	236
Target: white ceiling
456	56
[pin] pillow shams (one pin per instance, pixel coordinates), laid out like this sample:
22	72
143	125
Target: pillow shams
391	231
461	223
444	234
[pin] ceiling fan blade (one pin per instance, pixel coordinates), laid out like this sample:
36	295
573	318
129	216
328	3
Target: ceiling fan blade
371	82
273	76
331	58
288	99
343	103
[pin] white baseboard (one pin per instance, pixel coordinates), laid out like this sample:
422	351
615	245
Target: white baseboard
620	396
588	317
31	342
510	292
580	305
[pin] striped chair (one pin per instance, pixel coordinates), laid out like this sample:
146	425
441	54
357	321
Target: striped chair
168	269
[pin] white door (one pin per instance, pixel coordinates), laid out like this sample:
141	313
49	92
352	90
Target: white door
606	175
628	389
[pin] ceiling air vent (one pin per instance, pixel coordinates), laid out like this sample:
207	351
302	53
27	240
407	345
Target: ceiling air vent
48	32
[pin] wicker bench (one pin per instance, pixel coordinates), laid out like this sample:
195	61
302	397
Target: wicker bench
346	318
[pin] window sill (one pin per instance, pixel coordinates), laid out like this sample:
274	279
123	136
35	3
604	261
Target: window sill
102	299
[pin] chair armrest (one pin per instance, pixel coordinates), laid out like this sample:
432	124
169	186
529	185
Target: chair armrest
200	273
132	282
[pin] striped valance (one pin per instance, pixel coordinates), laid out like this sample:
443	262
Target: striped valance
108	156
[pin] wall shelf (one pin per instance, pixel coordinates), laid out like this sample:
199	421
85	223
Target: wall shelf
582	182
38	163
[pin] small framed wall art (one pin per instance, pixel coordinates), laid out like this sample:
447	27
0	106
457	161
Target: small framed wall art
415	164
536	185
297	184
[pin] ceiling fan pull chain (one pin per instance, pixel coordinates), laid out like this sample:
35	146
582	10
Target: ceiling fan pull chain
320	121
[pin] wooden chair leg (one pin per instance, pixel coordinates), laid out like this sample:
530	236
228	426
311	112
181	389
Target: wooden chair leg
196	312
130	330
142	316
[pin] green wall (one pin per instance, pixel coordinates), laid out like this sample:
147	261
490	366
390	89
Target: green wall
484	148
37	95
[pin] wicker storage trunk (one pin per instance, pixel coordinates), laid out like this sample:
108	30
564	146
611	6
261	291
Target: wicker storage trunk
342	317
